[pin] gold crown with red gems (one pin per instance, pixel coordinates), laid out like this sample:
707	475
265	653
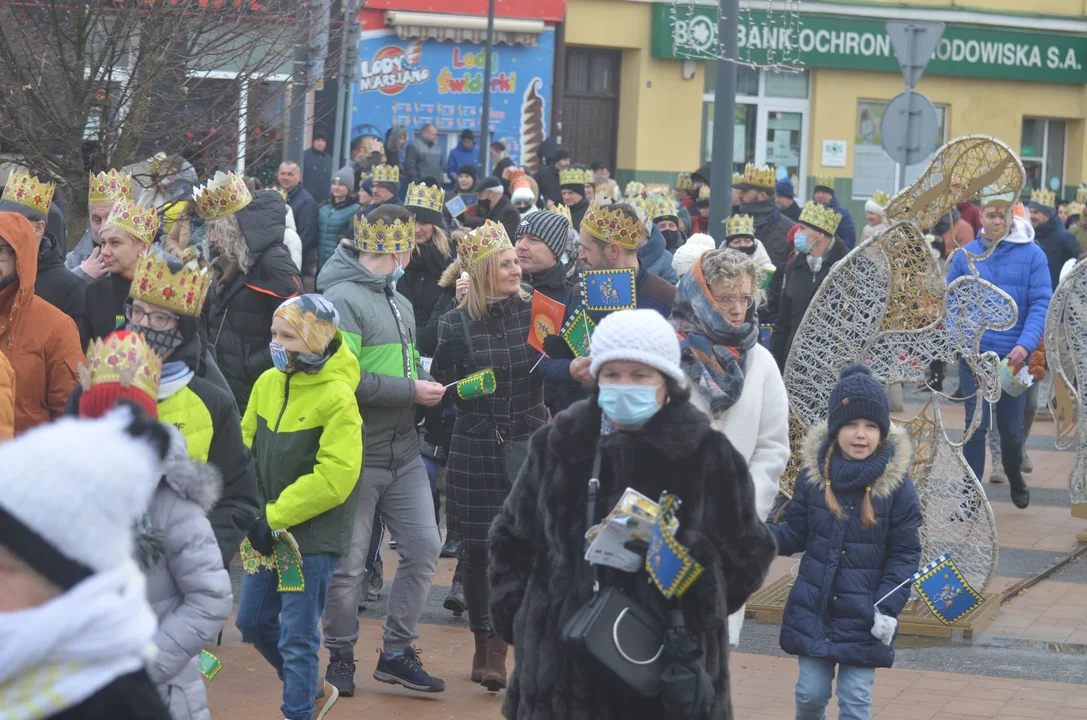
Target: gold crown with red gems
138	221
609	224
225	194
820	217
739	225
109	187
762	177
182	291
426	196
384	239
123	358
385	174
483	242
25	189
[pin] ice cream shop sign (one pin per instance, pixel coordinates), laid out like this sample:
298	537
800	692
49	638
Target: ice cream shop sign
413	82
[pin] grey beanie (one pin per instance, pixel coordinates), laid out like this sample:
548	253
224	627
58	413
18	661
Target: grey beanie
550	227
346	175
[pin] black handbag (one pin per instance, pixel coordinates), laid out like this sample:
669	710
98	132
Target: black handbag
612	632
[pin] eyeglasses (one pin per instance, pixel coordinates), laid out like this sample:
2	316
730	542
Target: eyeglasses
743	301
155	320
7	252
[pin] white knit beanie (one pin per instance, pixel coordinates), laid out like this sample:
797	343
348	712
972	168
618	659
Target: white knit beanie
79	485
684	257
642	336
871	206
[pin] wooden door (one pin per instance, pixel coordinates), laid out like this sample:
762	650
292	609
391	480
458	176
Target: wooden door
590	108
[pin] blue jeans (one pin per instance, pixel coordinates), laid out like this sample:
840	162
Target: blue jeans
283	628
1009	422
813	689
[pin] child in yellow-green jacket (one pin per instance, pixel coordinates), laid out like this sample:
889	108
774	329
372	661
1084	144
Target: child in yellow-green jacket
304	429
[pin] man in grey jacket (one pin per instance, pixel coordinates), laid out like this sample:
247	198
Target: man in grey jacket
378	325
423	158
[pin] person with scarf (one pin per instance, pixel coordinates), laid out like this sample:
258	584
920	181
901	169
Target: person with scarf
757	187
335	214
74	617
736	379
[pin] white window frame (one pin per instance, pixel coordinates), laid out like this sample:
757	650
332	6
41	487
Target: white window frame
1044	158
243	101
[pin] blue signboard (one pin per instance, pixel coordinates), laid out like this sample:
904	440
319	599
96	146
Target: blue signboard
412	82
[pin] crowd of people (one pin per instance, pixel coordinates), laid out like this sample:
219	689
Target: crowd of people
281	373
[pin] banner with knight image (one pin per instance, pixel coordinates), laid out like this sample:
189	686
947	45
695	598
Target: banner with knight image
412	82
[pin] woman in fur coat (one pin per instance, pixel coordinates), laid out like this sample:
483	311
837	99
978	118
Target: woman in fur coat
653	439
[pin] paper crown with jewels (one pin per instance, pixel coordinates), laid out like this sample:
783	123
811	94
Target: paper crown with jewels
385	174
1043	197
645	208
736	225
1081	194
704	193
609	224
684	182
604	191
820	217
27	191
824	181
666	207
1075	208
426	196
991	196
182	291
881	198
575	176
761	177
737	178
109	187
225	194
481	243
565	212
384	238
138	221
634	188
122	358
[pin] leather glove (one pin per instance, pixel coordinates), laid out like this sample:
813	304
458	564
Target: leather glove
883	629
260	537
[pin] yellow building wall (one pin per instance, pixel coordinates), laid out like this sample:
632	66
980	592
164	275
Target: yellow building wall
660	113
1040	7
988	107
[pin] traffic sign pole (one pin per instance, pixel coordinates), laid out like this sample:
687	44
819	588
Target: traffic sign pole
724	118
909	115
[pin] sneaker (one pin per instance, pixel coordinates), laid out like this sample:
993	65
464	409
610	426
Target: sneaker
329	695
1027	465
341	673
997	477
407	669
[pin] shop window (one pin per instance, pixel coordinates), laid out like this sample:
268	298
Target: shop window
873	169
787	85
1041	148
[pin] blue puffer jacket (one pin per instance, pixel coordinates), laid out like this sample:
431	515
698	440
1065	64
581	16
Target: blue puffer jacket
847	230
1020	268
333	223
459	157
846	569
655	257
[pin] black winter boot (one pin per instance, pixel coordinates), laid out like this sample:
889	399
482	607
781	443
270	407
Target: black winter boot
455	599
1019	491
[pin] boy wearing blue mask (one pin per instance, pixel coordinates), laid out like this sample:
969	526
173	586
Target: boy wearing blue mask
817	249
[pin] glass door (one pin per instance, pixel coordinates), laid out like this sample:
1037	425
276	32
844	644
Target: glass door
783	133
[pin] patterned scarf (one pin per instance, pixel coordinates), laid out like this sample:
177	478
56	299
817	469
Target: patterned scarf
713	348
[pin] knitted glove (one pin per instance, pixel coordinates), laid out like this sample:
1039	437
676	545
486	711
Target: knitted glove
260	537
883	629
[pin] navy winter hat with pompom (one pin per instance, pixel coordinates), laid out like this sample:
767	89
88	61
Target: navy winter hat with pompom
858	395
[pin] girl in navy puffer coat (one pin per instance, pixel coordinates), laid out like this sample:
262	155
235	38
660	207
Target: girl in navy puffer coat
856	516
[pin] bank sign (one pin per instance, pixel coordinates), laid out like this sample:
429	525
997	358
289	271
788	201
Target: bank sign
825	41
414	82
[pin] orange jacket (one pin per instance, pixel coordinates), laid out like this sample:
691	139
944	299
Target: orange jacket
7	399
41	342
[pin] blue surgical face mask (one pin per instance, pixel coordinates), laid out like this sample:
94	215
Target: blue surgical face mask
280	357
398	272
800	242
629	405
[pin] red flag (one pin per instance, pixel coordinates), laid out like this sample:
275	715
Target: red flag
546	319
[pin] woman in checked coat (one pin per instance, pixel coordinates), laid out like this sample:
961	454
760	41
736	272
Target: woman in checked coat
488	329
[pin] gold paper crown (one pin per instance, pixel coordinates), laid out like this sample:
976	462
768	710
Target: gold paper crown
609	224
704	192
1081	194
565	212
575	176
123	358
824	181
737	178
763	177
644	207
426	196
666	207
109	187
225	194
24	189
820	217
483	242
138	221
634	188
739	225
385	174
684	182
182	291
378	237
1044	197
604	190
881	198
991	196
1075	208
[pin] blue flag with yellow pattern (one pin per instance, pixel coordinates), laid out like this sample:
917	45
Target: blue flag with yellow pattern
945	591
669	563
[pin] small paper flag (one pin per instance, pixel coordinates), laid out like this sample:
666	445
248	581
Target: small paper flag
946	592
578	332
456	206
477	384
209	665
668	563
470	199
287	562
546	319
765	276
607	290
